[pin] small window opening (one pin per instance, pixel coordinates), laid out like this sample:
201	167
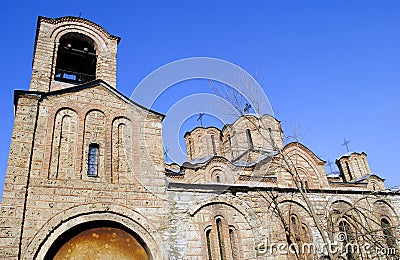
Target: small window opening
220	239
76	59
345	228
213	145
387	233
93	160
348	170
218	178
208	241
249	139
190	149
230	144
232	239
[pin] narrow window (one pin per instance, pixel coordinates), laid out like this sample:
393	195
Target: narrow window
190	148
230	145
359	167
249	139
348	170
233	244
345	228
305	234
220	239
199	143
208	241
218	178
295	229
93	160
293	221
213	145
387	233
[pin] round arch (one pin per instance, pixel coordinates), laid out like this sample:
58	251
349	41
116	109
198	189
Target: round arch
69	220
239	205
106	239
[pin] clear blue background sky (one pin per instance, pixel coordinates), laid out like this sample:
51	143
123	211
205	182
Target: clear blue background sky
331	67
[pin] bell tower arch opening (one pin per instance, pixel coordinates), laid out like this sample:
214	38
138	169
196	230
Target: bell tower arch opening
71	51
100	240
76	59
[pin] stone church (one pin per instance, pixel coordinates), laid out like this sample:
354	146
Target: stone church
86	176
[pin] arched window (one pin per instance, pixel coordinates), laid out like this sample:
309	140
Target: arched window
300	235
233	242
230	144
294	224
208	241
387	233
347	239
222	241
220	236
199	144
249	139
93	160
190	149
306	186
218	176
76	59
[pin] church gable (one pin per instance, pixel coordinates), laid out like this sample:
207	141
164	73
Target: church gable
298	162
93	132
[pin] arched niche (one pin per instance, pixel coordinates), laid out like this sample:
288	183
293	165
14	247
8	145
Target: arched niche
74	220
76	59
100	240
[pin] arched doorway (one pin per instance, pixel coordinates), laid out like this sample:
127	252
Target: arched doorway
98	240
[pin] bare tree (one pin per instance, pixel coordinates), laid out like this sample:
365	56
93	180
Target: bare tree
356	229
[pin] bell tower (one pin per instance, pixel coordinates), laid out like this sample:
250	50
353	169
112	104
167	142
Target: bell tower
72	51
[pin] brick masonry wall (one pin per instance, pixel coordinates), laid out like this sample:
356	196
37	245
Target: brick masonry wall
52	191
45	55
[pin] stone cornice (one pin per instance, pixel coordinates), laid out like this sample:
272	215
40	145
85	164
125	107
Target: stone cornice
73	19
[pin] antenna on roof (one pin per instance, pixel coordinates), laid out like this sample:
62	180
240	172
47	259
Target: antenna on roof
80	14
346	143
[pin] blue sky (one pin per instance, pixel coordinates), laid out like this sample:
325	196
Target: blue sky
330	67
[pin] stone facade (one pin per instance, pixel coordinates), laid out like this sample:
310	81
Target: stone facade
84	156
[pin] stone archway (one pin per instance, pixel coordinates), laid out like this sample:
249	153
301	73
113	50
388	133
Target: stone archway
98	240
75	220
